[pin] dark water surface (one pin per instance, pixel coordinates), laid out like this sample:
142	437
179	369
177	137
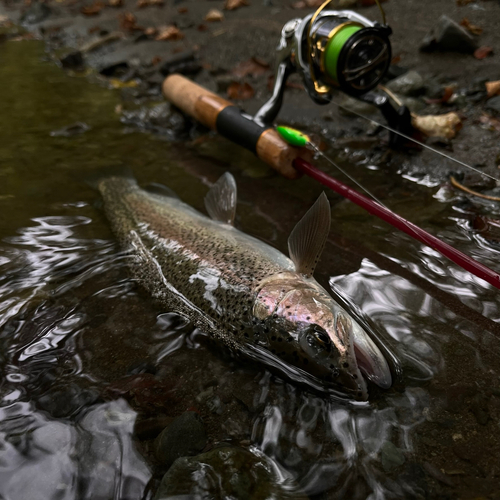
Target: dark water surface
92	370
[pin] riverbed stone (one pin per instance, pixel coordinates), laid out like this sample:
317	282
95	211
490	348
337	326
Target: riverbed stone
185	436
36	13
447	35
391	456
409	84
225	472
493	104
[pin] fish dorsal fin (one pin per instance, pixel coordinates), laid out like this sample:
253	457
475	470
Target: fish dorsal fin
307	240
156	188
220	201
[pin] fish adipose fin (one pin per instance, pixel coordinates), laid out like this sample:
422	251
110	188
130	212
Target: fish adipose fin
220	201
308	238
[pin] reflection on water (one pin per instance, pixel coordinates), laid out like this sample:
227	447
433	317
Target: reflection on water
93	371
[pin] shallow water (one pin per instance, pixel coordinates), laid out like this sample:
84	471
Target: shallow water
92	370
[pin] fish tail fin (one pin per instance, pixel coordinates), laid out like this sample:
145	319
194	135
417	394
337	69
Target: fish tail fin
96	178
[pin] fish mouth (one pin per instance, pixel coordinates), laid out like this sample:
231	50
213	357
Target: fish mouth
371	362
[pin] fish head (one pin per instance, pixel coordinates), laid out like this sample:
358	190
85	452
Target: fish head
309	330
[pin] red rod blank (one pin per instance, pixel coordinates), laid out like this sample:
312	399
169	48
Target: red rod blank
464	261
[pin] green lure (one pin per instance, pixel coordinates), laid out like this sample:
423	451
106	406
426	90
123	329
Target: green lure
293	136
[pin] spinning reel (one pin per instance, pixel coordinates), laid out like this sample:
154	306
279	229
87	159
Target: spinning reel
335	50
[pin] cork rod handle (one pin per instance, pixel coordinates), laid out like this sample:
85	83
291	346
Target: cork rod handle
221	115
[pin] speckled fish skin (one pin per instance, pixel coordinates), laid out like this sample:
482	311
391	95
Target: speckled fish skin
234	287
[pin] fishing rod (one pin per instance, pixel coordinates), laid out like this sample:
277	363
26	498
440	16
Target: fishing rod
331	50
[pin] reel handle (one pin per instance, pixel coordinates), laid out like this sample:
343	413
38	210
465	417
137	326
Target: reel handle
223	116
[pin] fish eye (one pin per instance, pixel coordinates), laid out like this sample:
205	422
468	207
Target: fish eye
321	335
318	334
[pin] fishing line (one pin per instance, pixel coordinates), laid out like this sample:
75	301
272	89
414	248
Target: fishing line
418	142
315	148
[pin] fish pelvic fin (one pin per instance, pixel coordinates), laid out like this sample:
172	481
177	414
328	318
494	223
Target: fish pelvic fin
308	237
220	201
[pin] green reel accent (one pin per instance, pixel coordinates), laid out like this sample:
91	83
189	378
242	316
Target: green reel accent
334	47
293	136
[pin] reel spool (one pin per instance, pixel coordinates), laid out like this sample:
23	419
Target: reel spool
347	54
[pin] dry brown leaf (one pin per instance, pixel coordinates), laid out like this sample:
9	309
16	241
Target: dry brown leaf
471	28
150	31
483	52
115	3
464	2
489	122
493	88
202	27
182	10
235	4
445	126
301	4
128	22
147	3
169	33
254	67
155	60
240	91
94	9
214	15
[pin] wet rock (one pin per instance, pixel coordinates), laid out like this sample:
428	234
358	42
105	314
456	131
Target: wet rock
115	70
71	130
151	427
110	467
73	60
435	473
479	408
36	13
447	35
55	437
391	456
349	103
226	472
408	84
66	401
493	104
183	63
185	436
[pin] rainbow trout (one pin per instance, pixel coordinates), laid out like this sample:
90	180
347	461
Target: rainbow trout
241	291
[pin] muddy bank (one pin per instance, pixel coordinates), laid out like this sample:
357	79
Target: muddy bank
131	45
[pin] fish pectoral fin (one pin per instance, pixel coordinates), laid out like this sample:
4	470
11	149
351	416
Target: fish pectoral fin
220	201
308	238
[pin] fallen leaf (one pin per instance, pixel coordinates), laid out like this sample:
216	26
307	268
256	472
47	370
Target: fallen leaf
489	228
235	4
115	3
202	27
493	88
128	22
118	84
94	29
489	122
299	5
214	15
155	60
182	10
396	59
253	67
240	91
150	31
483	52
464	2
147	3
169	33
445	126
471	28
94	9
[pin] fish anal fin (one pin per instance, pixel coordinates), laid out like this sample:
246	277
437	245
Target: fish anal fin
308	238
220	201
